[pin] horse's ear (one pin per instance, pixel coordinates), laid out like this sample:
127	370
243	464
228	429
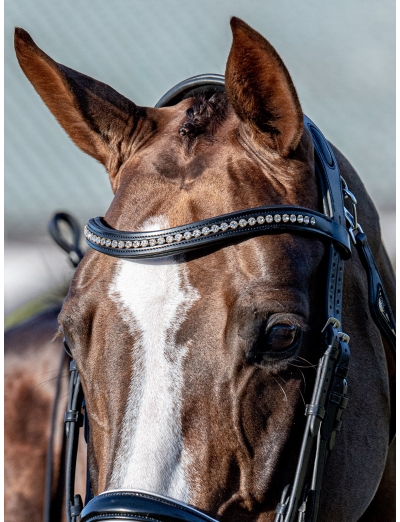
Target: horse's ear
261	91
95	116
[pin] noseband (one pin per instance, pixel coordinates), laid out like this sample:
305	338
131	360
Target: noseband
339	229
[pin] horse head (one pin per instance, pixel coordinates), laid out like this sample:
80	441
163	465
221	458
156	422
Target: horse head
196	367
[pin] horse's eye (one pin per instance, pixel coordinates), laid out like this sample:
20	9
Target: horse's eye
277	342
280	338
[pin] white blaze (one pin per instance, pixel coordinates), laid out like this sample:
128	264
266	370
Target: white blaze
153	297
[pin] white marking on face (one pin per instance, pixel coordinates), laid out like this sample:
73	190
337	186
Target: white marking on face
153	297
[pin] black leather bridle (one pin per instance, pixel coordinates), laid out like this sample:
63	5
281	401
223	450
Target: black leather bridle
339	229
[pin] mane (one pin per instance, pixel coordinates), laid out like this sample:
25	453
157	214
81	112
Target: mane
203	117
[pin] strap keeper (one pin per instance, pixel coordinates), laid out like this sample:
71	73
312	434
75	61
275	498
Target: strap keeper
335	397
281	509
75	511
337	425
74	416
76	508
316	410
341	371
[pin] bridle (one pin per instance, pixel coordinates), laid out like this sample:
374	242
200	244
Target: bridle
337	227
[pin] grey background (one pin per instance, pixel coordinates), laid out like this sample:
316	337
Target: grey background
341	56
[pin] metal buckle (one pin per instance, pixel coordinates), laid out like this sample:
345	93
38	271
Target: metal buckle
344	337
354	226
333	321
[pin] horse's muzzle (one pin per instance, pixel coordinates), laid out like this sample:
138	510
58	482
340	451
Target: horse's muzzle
140	505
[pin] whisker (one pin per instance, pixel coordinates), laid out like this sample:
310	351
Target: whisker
298	366
280	388
308	362
302	397
45	373
280	376
304	381
41	384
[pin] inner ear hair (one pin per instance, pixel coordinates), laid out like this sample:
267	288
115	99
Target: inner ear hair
261	91
94	115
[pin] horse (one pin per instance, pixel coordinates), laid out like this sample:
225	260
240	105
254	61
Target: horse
35	384
196	367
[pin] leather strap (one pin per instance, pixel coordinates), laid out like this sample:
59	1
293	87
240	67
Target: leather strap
192	86
72	248
378	301
381	312
215	231
140	505
73	422
326	161
300	502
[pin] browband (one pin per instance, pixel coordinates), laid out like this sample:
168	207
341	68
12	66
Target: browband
211	232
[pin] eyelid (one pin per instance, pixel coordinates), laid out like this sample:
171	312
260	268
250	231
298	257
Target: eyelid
286	319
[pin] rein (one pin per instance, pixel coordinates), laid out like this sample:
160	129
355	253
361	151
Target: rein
336	226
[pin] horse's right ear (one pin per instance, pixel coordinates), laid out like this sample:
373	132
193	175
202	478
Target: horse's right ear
95	116
260	89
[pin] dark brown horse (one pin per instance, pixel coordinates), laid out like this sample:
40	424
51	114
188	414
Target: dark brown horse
195	369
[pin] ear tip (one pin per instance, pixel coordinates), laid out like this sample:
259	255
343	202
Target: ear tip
22	37
237	23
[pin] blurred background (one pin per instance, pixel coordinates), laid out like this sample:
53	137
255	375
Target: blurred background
341	56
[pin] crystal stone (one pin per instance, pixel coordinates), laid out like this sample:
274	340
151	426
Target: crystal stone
269	218
114	244
215	228
121	244
252	221
242	223
285	218
300	219
161	240
233	224
128	244
169	239
224	226
178	237
98	239
103	241
136	244
187	235
260	220
312	221
205	231
277	218
196	233
108	242
293	218
306	220
144	243
152	242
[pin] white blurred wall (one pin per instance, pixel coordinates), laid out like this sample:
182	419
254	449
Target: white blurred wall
340	54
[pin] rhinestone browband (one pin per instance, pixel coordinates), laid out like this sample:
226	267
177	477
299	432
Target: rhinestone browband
199	234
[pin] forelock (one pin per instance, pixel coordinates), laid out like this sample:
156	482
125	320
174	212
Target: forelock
202	118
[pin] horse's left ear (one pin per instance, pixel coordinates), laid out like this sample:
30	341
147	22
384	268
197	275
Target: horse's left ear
260	89
97	118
